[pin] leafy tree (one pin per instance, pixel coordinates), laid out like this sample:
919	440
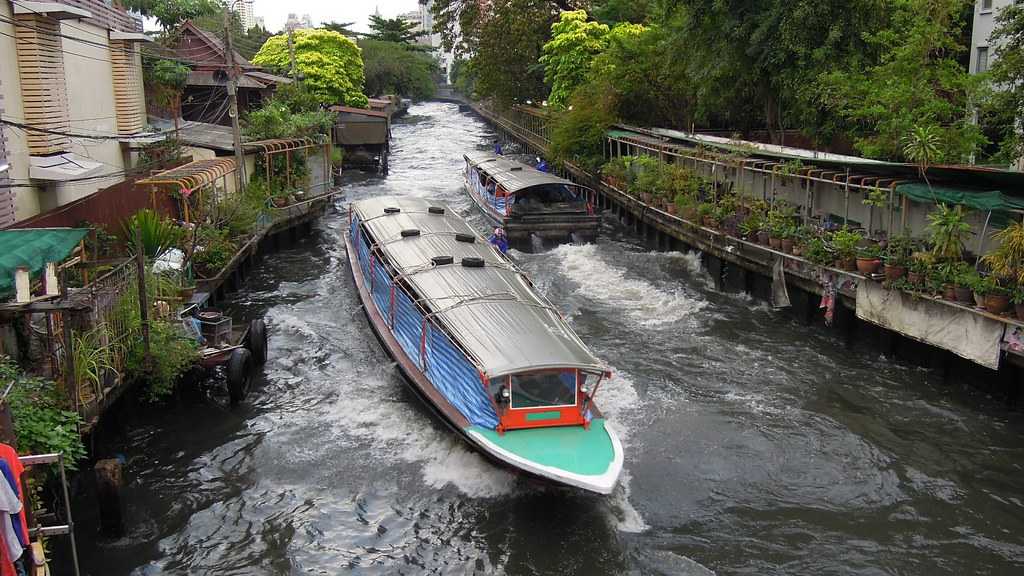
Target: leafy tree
578	133
392	68
331	63
459	22
342	28
170	13
567	57
397	30
507	69
1007	108
917	87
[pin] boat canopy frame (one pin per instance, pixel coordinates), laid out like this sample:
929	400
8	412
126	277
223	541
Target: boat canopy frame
513	176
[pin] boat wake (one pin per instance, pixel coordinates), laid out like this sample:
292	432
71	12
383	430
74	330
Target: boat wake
644	302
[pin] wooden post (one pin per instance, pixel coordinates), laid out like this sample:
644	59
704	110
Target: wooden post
846	200
140	265
109	483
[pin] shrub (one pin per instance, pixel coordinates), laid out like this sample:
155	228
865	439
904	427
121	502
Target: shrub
42	421
214	251
172	354
158	233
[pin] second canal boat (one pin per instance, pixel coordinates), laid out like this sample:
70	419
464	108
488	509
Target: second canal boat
492	357
532	206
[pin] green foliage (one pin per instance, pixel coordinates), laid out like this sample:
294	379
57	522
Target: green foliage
93	358
948	231
506	45
343	28
43	423
330	63
1007	261
173	353
844	243
397	30
215	250
275	120
578	133
567	57
819	251
170	13
164	80
917	84
158	233
392	68
898	250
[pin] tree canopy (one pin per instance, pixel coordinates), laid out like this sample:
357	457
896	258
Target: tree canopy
397	30
567	57
343	28
1006	109
392	68
332	65
170	13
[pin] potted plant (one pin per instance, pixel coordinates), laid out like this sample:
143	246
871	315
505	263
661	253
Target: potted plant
750	227
869	259
1018	302
819	252
686	207
844	246
1007	261
995	298
706	211
948	231
897	257
965	280
920	265
788	238
614	172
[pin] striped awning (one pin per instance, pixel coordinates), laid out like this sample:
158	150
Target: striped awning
192	176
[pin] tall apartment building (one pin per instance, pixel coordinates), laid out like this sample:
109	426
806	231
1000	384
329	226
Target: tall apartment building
71	98
245	13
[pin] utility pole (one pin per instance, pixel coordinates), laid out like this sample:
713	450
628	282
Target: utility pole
236	129
291	51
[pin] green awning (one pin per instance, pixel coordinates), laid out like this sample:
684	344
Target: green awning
984	200
32	248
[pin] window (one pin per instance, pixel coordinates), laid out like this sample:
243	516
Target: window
986	5
544	389
981	62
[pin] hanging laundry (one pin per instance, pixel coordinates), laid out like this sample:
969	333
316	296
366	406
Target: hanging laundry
10	456
15	485
10	507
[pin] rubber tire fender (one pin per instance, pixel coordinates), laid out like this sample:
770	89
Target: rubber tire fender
256	341
239	375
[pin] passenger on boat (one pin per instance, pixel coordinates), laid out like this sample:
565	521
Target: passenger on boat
500	240
497	147
542	165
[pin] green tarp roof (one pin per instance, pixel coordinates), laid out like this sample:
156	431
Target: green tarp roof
984	200
32	248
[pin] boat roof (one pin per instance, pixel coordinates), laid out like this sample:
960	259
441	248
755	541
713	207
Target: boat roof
492	312
511	174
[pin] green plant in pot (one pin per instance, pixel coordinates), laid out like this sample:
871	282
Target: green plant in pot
1018	302
844	246
948	231
686	206
869	259
706	211
750	226
819	251
995	298
1007	261
897	257
920	265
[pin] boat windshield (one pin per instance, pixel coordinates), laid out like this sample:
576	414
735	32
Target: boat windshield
549	194
544	389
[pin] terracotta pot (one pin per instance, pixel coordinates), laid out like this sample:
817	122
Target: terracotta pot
690	214
979	300
868	266
710	222
894	272
949	292
787	245
775	243
763	238
915	278
671	209
963	294
645	198
996	303
1018	310
798	250
848	264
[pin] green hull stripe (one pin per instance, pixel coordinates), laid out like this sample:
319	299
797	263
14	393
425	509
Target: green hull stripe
534	416
570	448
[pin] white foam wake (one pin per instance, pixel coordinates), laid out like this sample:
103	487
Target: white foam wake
643	301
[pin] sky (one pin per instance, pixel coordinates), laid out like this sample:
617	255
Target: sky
275	12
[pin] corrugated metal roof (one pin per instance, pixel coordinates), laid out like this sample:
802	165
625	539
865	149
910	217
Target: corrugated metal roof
493	312
513	176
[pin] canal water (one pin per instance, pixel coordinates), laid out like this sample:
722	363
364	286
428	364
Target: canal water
753	445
